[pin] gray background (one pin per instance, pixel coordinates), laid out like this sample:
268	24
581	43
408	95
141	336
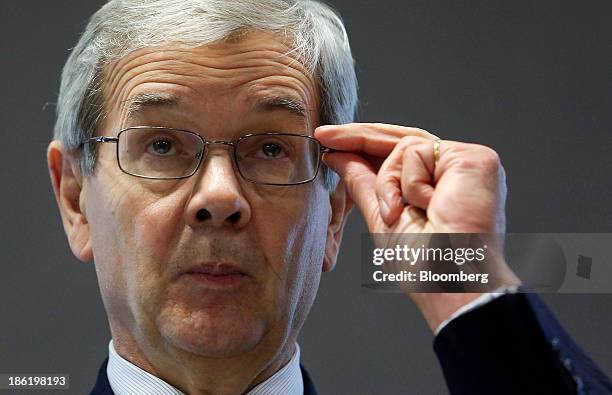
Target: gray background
531	79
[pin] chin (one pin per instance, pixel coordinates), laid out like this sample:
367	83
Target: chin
217	333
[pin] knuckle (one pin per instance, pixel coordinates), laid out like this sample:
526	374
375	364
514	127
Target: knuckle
409	141
488	152
422	132
410	187
377	126
489	158
479	156
385	181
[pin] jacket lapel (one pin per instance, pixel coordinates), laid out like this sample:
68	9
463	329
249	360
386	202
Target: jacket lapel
309	388
102	386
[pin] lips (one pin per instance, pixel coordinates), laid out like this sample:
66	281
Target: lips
216	269
217	275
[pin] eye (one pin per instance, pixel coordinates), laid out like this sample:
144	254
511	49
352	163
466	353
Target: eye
160	147
264	147
271	150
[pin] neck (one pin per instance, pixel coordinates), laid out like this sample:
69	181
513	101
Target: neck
197	375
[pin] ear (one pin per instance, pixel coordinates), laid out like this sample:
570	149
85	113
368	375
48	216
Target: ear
67	184
341	205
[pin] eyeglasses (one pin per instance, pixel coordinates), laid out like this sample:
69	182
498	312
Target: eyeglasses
162	153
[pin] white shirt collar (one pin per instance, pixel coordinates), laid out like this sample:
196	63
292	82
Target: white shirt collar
125	378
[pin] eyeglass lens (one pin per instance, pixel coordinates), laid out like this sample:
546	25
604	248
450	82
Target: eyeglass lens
264	158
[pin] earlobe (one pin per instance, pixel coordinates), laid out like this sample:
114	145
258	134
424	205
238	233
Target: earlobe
67	185
341	205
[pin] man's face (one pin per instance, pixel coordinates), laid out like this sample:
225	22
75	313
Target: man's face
151	237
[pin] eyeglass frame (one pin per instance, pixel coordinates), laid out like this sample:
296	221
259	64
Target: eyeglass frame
233	143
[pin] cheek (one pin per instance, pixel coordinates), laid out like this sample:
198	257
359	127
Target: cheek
292	233
135	231
149	240
155	226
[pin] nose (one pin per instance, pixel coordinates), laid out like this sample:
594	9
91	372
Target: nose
217	198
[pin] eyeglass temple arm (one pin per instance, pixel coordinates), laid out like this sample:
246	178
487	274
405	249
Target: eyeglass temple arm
100	139
104	139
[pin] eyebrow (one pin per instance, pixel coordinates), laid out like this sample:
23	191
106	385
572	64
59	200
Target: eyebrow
143	101
271	103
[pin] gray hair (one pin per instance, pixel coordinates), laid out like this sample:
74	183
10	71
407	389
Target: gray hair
122	26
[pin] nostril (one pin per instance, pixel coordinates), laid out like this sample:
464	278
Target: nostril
203	214
234	217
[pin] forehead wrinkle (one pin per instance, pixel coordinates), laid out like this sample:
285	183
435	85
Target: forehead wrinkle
206	67
290	98
271	93
117	78
256	59
191	69
296	102
228	59
166	65
122	74
134	103
219	56
175	91
222	60
277	45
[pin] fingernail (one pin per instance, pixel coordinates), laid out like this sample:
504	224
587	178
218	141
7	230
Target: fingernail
324	160
325	127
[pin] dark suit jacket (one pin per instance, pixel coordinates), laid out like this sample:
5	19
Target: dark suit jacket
512	345
103	387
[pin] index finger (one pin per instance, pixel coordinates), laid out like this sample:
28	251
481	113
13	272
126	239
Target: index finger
377	139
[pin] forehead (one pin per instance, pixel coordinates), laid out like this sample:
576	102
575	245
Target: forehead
257	70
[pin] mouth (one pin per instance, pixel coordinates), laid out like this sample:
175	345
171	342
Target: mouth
214	275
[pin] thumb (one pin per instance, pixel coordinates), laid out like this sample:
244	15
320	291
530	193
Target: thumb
359	179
